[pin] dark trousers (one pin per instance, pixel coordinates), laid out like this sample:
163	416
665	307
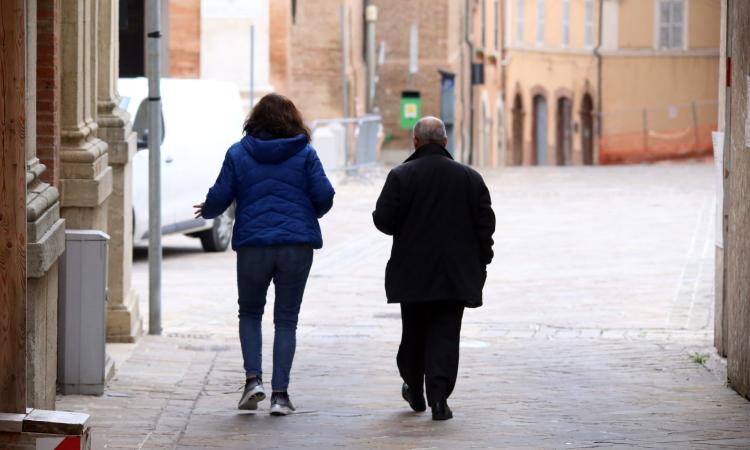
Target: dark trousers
429	347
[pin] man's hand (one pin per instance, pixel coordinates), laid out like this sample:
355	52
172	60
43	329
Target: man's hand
198	210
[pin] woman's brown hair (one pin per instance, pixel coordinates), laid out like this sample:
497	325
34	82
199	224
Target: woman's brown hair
276	115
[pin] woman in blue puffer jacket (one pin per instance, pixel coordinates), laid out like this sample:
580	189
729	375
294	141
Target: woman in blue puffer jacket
280	190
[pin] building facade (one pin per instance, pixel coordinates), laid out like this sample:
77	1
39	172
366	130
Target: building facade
610	81
315	61
66	149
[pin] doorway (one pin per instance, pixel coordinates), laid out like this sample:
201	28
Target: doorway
500	130
517	130
540	130
564	141
587	130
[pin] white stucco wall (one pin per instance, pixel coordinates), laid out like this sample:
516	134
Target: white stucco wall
225	43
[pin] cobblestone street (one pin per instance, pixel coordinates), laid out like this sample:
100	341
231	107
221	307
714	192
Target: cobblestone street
599	297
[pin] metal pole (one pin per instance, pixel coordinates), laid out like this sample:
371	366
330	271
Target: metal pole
252	67
154	163
371	15
344	51
344	80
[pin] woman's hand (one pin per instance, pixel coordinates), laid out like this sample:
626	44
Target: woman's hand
198	210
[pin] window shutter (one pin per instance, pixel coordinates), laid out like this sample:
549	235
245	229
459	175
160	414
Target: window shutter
566	23
677	24
519	20
540	21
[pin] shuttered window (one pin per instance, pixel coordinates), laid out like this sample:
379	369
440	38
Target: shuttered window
671	24
565	39
540	22
519	20
588	23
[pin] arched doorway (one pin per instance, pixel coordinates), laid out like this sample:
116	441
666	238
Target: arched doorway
485	133
517	130
540	130
587	130
564	141
500	130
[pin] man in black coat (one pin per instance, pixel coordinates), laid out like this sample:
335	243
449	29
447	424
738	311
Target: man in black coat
440	216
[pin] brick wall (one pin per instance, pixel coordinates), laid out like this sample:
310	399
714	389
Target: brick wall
48	89
438	35
309	59
279	23
184	38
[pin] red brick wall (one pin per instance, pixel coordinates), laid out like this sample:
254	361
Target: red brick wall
185	38
280	21
48	89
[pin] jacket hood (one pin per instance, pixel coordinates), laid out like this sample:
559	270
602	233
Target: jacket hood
273	151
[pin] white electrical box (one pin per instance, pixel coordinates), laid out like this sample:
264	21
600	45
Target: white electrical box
81	314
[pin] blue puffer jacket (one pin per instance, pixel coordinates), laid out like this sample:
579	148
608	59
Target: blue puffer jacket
280	188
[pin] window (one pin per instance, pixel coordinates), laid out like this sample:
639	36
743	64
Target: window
539	22
519	20
484	25
588	24
671	17
565	23
497	25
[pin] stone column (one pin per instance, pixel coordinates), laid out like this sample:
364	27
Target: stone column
123	318
45	228
85	176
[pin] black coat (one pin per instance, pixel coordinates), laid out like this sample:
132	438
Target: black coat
439	213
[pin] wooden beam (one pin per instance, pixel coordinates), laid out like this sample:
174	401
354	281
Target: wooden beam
737	302
12	208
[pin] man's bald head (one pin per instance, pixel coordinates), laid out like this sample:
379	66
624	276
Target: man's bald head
430	130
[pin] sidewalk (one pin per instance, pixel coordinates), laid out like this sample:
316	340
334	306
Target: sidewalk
600	293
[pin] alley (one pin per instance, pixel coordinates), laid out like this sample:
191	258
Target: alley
598	314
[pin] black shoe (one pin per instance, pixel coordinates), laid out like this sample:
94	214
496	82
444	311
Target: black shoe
416	401
441	411
252	394
280	404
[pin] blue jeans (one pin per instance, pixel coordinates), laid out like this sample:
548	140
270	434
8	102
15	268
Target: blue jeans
288	266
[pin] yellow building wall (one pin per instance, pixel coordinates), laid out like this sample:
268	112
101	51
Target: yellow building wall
552	75
657	107
704	24
637	24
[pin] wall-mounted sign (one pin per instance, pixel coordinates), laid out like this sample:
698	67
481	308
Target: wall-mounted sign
411	108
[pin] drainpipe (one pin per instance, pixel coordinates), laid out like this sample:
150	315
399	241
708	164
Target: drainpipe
503	74
467	40
598	54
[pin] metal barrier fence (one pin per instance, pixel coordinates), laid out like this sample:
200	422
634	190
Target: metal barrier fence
652	134
347	143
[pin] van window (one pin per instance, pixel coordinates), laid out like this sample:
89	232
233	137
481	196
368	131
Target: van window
140	124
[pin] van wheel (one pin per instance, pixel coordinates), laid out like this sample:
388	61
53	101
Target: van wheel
217	239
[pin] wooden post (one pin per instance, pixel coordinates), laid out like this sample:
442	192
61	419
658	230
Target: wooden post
12	208
737	247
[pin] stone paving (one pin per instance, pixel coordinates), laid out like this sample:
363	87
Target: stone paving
599	297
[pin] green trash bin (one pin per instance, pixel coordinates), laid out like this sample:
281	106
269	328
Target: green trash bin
411	108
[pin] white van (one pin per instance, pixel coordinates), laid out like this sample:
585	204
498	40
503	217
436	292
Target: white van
201	120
